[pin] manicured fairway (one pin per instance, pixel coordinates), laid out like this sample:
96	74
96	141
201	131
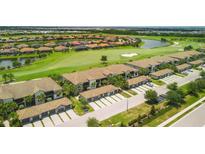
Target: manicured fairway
68	62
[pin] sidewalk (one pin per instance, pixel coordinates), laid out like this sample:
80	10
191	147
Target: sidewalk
114	109
180	113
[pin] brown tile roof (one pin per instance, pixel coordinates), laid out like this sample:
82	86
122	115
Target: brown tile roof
23	89
197	62
183	66
164	59
27	50
137	80
98	91
162	72
61	48
50	44
145	63
44	49
22	46
85	76
97	73
119	69
39	109
186	54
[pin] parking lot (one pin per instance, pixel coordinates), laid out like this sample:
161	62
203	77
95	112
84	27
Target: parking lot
106	101
54	120
143	88
171	79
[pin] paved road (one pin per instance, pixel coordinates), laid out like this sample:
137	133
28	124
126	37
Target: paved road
114	109
196	118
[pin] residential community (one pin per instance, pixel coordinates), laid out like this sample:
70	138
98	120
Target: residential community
68	99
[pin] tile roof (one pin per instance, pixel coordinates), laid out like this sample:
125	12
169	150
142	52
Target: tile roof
162	72
137	80
98	91
23	89
39	109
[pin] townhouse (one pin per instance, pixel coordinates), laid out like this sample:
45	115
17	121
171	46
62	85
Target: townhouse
161	73
183	67
95	94
40	91
137	81
38	112
94	78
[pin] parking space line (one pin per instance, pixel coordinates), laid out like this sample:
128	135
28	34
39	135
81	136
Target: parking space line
64	116
56	119
72	114
28	125
38	124
140	90
115	98
105	101
120	96
110	100
47	122
94	106
100	103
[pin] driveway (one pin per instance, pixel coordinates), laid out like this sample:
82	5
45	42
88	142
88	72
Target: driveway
121	106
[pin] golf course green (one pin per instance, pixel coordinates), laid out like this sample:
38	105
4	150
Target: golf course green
59	63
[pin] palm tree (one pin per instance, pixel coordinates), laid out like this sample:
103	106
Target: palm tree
10	76
5	76
41	98
28	100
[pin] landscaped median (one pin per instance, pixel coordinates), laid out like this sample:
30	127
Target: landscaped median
79	108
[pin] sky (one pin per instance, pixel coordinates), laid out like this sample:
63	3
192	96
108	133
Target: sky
102	13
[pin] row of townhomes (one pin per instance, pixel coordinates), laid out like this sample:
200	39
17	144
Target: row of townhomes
90	82
40	97
43	97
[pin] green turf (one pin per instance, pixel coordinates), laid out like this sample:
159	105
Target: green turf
74	61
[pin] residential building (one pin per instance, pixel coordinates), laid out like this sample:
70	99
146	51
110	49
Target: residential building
95	94
162	73
38	112
40	90
93	78
183	67
140	80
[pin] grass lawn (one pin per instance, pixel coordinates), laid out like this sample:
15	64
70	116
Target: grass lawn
78	107
126	95
74	61
60	63
189	100
157	82
125	117
131	92
180	74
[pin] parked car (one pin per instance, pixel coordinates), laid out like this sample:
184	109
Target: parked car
149	84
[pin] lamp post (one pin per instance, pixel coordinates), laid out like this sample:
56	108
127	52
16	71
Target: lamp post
127	105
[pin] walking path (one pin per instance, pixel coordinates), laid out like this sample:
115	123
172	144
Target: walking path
121	106
180	113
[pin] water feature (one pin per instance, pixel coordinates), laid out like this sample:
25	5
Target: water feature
148	44
8	63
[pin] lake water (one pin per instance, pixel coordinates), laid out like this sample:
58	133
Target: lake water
8	62
148	44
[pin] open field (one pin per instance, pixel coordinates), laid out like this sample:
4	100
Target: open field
74	61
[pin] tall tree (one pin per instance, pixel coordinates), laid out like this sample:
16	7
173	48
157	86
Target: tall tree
104	59
172	86
151	96
5	77
93	122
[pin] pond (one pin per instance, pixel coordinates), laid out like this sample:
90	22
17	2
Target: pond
8	63
148	44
